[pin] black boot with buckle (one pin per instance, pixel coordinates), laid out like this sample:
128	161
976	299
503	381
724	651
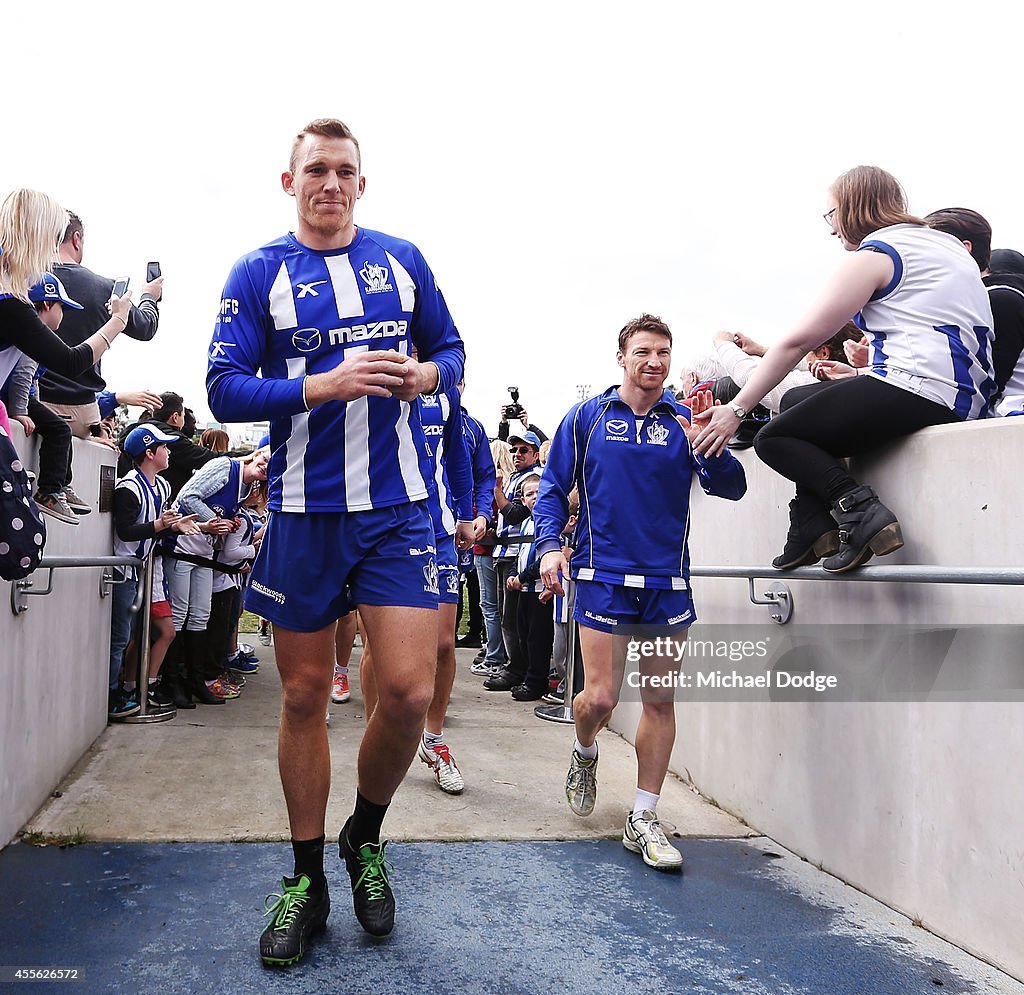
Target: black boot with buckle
812	534
866	527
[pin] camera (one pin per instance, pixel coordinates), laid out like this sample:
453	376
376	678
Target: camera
515	409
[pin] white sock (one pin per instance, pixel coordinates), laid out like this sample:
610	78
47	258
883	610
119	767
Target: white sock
587	752
645	801
432	739
340	670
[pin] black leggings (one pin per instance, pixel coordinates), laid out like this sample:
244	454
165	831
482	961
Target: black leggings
822	423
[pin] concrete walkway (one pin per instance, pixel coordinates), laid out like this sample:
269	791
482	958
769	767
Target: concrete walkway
211	775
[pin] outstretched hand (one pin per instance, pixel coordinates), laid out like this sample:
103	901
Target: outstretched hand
699	402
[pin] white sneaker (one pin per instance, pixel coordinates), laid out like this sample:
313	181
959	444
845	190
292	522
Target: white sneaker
264	633
643	834
481	669
581	784
339	689
440	761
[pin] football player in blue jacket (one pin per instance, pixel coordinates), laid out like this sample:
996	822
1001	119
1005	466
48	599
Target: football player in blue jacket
629	452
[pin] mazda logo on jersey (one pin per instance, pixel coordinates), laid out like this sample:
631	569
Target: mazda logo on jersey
617	427
307	339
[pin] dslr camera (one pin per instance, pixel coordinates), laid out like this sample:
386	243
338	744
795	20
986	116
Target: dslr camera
515	409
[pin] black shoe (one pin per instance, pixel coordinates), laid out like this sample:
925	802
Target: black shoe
159	695
180	696
468	641
523	692
372	897
481	656
812	535
866	526
294	918
503	681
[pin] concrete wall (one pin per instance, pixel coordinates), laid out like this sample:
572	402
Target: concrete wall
918	804
54	657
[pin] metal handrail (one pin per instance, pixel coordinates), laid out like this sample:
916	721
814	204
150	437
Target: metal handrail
910	574
21	589
779	599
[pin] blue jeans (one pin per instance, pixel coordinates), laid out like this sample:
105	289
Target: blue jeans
489	606
121	621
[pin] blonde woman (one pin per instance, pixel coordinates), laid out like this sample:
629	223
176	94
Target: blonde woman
31	225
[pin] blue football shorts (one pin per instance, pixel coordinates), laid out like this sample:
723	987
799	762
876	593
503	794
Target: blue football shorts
613	608
315	567
447	571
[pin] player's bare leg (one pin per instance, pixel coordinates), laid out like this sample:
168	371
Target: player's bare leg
604	661
433	751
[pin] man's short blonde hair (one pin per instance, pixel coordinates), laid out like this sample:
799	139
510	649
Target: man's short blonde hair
328	127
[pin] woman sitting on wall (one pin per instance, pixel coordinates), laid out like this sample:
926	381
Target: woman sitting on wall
918	297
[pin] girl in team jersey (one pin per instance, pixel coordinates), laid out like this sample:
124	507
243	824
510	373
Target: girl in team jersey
917	295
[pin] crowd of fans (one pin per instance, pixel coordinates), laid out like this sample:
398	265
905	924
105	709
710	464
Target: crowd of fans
201	507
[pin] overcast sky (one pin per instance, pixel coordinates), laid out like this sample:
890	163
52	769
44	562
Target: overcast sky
562	166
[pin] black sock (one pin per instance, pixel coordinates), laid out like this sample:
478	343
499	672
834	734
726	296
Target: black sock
309	860
364	826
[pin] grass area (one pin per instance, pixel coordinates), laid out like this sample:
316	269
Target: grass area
248	623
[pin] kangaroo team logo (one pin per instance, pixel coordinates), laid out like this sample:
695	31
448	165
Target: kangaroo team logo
430	578
657	434
307	339
453	582
375	277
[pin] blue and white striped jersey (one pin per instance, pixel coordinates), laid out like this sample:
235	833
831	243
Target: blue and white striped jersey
634	477
930	329
152	501
451	480
289	311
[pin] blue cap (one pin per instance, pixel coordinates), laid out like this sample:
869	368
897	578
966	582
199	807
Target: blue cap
529	437
264	442
49	288
144	437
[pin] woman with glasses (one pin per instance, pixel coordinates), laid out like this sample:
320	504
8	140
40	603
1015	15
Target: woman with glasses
918	297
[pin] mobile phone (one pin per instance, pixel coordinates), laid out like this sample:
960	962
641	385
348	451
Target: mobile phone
120	286
152	271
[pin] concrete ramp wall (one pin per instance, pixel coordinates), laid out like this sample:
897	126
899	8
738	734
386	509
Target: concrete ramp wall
918	804
54	657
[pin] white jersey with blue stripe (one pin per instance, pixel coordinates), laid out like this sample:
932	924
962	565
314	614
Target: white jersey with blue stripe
930	329
289	311
152	500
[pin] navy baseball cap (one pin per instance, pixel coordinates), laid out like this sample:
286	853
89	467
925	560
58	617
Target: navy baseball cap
49	288
529	437
144	437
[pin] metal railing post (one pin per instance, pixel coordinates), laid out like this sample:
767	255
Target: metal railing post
144	715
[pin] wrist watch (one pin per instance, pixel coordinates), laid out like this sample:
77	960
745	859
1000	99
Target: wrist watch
737	409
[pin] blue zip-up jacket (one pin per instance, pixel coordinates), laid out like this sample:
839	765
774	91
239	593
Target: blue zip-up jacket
634	487
484	474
